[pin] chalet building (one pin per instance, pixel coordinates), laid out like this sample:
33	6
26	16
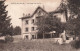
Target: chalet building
29	29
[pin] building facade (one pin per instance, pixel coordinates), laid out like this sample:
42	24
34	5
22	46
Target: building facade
29	28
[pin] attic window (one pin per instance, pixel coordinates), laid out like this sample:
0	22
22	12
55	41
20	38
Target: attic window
39	13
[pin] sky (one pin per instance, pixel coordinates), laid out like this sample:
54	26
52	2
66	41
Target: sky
16	8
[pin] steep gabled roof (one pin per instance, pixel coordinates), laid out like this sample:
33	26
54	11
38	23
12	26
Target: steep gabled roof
37	10
59	11
34	13
56	11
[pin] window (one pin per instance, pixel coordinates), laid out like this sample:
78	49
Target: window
32	20
39	13
32	28
26	29
26	21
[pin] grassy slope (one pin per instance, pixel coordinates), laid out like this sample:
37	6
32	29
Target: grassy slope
35	45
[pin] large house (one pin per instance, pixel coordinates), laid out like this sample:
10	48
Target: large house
29	29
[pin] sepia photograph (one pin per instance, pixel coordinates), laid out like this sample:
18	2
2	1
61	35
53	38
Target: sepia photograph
39	25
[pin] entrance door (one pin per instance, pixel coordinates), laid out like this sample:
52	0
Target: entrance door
33	37
26	36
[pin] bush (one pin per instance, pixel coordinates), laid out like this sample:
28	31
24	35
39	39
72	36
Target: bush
9	38
76	44
2	41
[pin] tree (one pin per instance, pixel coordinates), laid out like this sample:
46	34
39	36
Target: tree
17	30
4	19
74	6
11	30
74	9
47	24
70	26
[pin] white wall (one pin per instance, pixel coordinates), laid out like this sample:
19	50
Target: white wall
61	16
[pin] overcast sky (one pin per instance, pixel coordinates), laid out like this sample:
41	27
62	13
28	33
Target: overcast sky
16	8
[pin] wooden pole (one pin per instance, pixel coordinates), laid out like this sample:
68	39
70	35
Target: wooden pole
51	35
43	35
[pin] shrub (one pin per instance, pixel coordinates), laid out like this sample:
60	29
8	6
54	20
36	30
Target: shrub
76	44
9	38
2	41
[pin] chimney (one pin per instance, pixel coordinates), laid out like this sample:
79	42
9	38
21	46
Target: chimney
26	15
23	15
29	14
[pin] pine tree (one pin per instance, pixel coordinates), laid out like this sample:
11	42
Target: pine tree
4	19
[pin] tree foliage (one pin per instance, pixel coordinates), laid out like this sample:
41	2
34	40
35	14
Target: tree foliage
48	23
74	18
4	19
17	30
74	6
73	23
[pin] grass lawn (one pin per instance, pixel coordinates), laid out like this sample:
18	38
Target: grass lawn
35	45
